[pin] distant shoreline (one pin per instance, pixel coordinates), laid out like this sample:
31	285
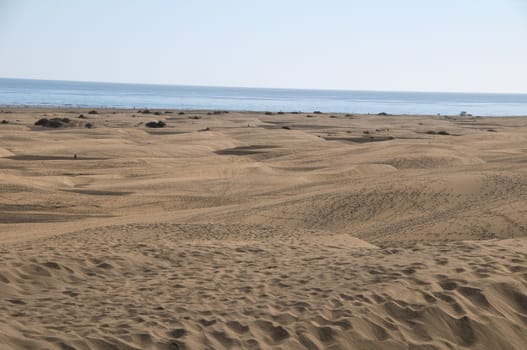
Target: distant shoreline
85	109
61	94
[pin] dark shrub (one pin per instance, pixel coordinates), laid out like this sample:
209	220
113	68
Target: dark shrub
317	112
490	130
382	113
366	132
93	112
168	112
82	116
295	112
88	125
42	122
145	111
286	127
217	112
159	124
181	113
443	132
280	113
269	113
65	120
157	113
309	116
5	122
431	132
194	117
50	123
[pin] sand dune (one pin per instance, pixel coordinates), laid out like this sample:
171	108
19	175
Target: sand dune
234	286
362	232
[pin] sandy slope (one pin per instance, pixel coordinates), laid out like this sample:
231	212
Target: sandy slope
337	232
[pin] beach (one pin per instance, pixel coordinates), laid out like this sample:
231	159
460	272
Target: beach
254	230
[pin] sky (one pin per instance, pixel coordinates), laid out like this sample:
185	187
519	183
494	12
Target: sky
404	45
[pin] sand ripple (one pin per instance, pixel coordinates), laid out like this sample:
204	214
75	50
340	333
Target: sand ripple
175	286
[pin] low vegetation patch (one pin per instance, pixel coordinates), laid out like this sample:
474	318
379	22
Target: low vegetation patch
53	122
158	124
217	112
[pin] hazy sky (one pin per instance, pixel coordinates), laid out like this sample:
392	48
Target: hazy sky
417	45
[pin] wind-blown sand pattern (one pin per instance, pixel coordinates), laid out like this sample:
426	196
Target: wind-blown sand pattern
337	232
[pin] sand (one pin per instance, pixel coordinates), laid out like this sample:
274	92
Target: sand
253	231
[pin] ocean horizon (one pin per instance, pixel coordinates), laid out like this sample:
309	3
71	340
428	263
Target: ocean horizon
57	93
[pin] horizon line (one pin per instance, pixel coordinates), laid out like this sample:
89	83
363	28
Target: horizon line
265	87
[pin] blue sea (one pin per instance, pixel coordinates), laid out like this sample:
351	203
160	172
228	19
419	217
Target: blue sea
46	93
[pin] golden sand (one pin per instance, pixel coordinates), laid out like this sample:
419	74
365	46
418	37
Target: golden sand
254	231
